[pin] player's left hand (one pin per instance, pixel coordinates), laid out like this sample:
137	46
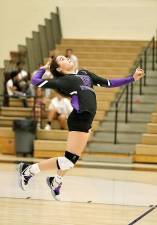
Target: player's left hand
139	73
47	65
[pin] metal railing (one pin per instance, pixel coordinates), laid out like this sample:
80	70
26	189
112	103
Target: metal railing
128	91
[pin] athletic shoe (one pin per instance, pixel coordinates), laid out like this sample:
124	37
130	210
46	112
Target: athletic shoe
55	189
47	127
23	178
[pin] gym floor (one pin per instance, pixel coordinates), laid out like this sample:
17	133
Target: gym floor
90	196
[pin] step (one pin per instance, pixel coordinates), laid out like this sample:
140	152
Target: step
122	138
142	98
123	127
145	149
137	107
110	148
6	132
41	134
100	42
8	121
103	105
120	72
145	159
108	158
91	48
138	117
13	111
105	63
18	102
106	90
52	135
154	118
150	139
152	128
147	90
50	145
108	56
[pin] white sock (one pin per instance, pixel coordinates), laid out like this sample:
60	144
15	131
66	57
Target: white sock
33	169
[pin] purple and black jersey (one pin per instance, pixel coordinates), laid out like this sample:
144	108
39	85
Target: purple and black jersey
79	86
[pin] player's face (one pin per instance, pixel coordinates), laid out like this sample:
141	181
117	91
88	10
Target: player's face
65	64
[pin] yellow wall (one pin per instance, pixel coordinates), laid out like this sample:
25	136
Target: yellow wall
101	19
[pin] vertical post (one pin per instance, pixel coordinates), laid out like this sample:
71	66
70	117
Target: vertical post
141	64
156	46
34	108
126	104
59	24
131	97
116	123
153	54
145	66
42	110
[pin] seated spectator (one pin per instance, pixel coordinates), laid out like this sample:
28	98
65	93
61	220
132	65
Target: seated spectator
69	54
23	74
24	79
15	87
59	108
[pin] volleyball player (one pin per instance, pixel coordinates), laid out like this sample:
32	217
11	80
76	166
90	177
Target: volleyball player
83	99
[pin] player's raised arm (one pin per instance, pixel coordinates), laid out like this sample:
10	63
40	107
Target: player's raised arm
111	83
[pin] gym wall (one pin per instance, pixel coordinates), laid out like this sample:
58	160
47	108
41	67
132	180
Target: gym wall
93	19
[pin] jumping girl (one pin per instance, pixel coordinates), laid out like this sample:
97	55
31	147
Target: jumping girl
83	99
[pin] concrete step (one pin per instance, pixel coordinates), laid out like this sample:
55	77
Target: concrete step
108	158
138	106
144	98
123	127
111	148
147	90
122	138
138	117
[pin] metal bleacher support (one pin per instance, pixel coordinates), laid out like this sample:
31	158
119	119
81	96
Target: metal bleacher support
50	36
23	50
37	48
59	25
1	81
43	41
30	50
56	27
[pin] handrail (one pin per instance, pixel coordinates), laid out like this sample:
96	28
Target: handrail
141	61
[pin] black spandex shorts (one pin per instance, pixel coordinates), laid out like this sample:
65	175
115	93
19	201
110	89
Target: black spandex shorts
80	121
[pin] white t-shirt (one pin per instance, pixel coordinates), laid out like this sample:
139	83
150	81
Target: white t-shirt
74	59
9	85
22	74
62	105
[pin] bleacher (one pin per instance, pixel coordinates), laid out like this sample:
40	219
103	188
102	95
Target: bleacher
115	62
107	58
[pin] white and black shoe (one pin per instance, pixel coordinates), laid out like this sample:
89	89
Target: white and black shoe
54	187
23	176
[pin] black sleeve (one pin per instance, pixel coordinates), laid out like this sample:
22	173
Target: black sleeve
97	80
51	83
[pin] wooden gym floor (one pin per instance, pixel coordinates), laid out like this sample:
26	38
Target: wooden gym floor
19	211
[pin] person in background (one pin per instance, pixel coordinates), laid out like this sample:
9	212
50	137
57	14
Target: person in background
59	108
69	54
23	74
15	89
